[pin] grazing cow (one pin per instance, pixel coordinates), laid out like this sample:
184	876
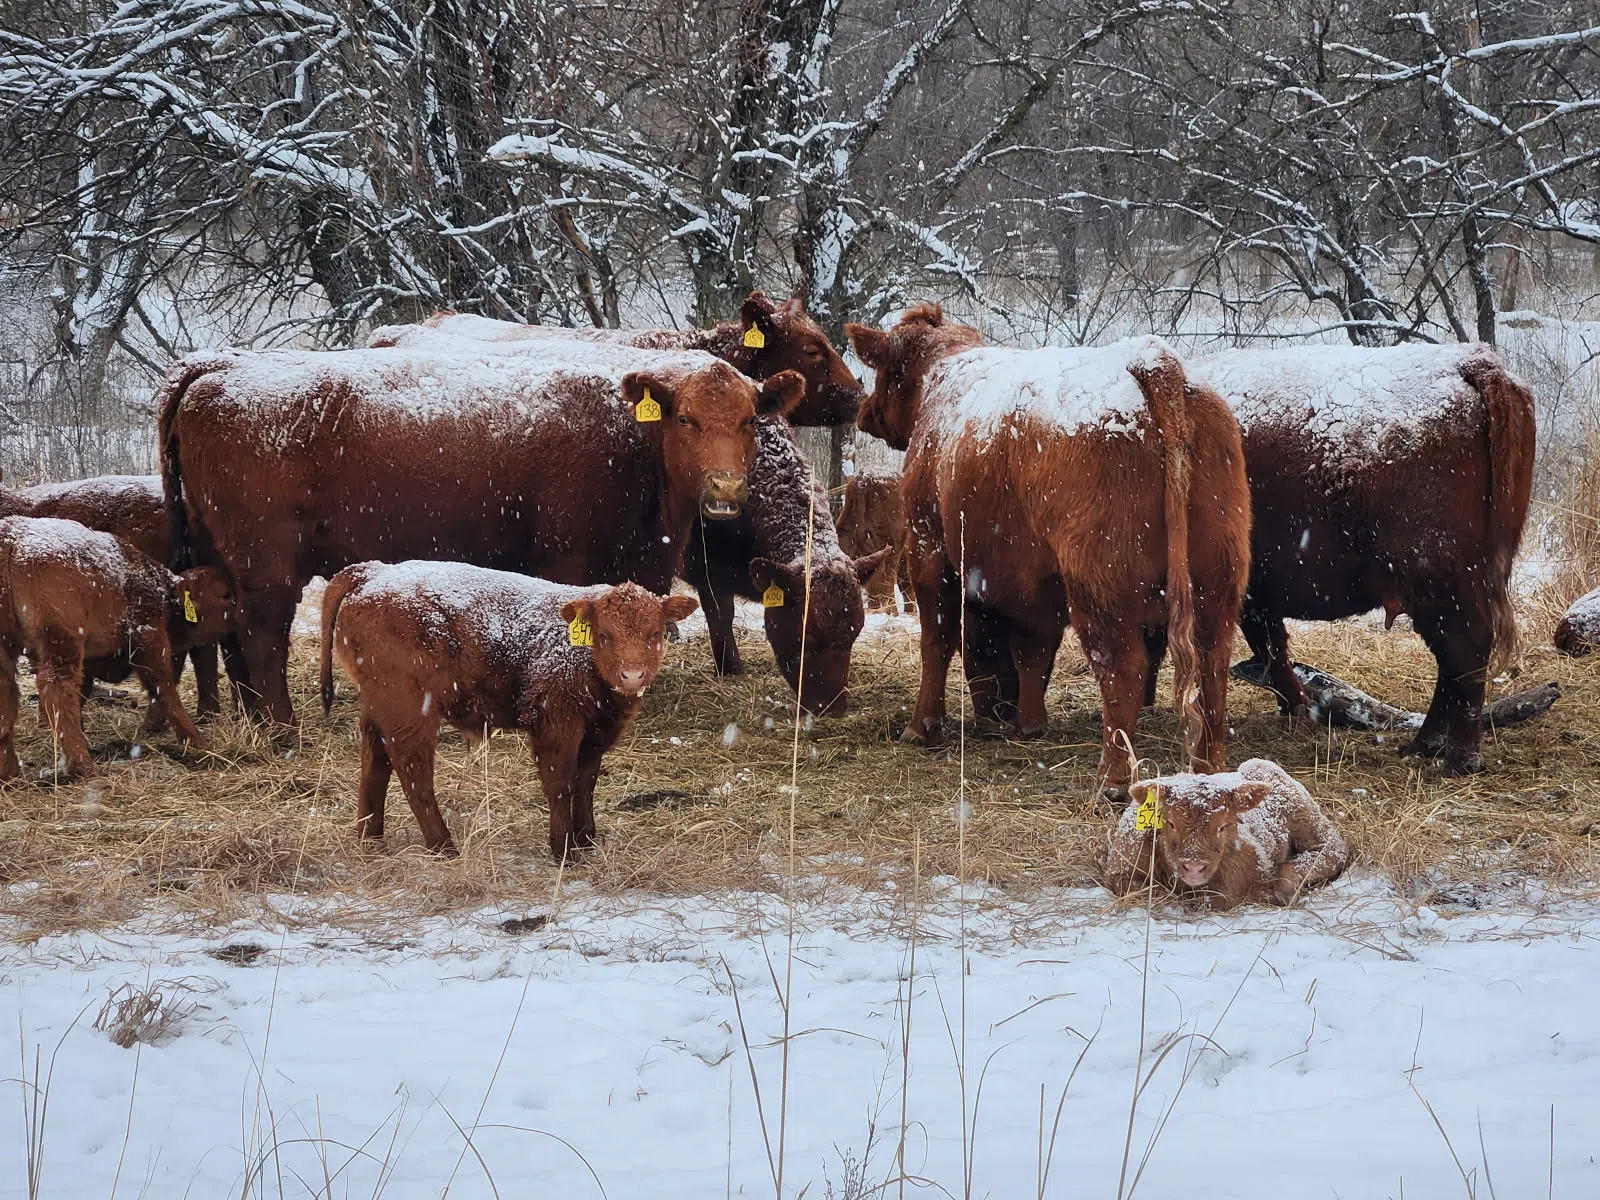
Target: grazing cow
1052	485
282	465
1578	633
129	507
428	642
762	555
75	599
766	339
872	517
1254	834
1393	478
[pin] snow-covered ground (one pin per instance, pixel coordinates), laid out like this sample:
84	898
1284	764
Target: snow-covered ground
610	1041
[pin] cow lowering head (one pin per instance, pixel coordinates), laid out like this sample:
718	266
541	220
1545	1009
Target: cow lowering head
204	602
827	627
792	341
1199	821
708	420
901	357
628	626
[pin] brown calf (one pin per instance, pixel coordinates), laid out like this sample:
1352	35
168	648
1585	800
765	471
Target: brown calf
1394	478
72	598
766	339
1578	632
872	518
428	642
129	507
1053	485
282	465
1254	834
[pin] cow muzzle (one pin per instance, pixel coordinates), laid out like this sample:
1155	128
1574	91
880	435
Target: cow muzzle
722	495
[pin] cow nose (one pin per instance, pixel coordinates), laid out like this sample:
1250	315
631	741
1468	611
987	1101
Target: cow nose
633	679
722	493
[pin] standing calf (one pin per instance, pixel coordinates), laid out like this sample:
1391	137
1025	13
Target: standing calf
1254	834
872	519
430	642
73	599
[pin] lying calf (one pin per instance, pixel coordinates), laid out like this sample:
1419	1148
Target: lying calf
430	642
1254	834
72	600
1579	631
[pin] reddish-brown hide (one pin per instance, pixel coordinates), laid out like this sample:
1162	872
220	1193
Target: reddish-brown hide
68	595
428	642
789	341
1578	631
872	518
279	466
1129	524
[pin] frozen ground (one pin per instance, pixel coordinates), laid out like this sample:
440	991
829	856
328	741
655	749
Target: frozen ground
1311	1042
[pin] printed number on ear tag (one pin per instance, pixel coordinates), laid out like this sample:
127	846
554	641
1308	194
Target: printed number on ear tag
754	338
580	632
189	613
1149	815
645	411
772	597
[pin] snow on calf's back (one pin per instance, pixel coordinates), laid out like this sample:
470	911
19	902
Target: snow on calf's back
1579	630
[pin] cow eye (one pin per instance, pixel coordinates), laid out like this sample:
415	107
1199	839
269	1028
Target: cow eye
682	420
813	351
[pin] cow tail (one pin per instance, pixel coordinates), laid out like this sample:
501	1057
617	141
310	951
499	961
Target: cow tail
340	586
1164	386
1511	447
182	373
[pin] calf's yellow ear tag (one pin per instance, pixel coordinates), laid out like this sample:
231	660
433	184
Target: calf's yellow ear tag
580	632
643	412
754	338
1149	814
772	597
189	612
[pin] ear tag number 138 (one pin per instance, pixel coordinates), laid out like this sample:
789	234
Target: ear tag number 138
648	409
1149	815
580	632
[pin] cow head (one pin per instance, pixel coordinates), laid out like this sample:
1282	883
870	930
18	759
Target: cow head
792	341
827	626
901	357
205	594
870	516
628	626
708	420
1199	822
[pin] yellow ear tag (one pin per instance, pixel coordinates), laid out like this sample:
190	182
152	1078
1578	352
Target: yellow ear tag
580	632
1149	815
643	412
189	613
772	597
754	338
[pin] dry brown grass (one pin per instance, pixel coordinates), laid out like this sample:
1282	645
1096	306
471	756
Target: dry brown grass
217	836
1571	526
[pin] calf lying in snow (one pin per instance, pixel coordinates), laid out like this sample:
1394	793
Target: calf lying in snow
1579	631
1254	834
74	599
430	642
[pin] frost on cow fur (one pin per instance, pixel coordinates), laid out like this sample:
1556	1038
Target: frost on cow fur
117	491
50	539
1287	827
986	389
782	478
1579	630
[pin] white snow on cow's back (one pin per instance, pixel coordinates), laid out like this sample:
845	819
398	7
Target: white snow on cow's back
117	489
50	539
582	349
1071	388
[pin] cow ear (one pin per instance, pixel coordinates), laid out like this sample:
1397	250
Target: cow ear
634	386
764	573
796	305
1140	792
1247	795
873	346
868	563
781	393
758	310
574	610
678	608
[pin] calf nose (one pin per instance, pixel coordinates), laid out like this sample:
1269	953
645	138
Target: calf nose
633	679
722	493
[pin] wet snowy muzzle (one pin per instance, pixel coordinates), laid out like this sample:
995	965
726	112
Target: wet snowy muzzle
722	495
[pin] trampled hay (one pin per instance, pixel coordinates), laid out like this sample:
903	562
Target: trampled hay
685	806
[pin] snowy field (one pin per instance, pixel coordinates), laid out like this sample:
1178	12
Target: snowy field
601	1054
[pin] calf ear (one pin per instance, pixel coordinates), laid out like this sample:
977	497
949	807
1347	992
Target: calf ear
1140	792
1247	795
868	563
764	572
634	386
676	608
574	609
781	393
873	346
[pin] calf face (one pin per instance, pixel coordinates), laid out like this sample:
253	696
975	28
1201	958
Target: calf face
1199	827
900	358
630	626
708	428
792	341
811	633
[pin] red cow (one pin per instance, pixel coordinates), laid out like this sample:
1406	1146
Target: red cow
283	465
766	339
1047	485
430	642
872	517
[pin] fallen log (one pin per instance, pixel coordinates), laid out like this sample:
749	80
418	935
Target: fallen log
1345	706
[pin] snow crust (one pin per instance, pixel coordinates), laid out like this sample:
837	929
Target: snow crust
51	539
115	489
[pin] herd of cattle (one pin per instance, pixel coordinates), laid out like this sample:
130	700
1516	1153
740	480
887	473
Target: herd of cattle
502	511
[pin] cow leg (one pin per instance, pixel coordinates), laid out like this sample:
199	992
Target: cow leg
559	774
1453	727
903	572
411	750
940	598
152	663
376	769
1033	655
716	587
10	704
1116	653
60	681
991	673
1155	649
208	696
880	588
1214	623
1269	642
238	675
587	774
268	616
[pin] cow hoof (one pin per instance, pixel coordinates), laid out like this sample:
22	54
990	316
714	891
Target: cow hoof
920	733
1028	733
672	632
1113	796
1462	764
736	667
1425	745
